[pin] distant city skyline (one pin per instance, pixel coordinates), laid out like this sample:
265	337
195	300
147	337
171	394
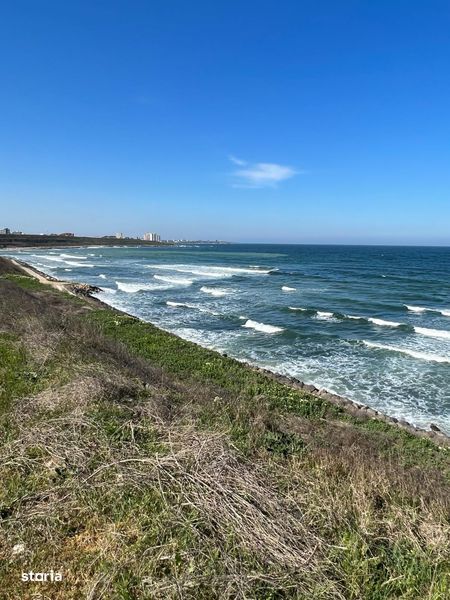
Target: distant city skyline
297	122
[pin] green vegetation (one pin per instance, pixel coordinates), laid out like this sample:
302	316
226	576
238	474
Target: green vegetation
25	281
144	466
16	376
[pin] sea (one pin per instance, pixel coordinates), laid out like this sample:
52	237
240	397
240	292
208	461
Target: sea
369	323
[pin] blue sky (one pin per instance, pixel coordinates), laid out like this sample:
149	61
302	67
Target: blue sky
289	121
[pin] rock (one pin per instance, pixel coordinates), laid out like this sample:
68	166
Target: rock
310	388
83	289
18	549
371	412
434	427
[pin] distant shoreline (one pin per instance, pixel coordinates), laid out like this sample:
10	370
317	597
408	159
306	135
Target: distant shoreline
16	242
58	247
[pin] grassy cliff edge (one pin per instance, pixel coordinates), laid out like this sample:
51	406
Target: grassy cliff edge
144	466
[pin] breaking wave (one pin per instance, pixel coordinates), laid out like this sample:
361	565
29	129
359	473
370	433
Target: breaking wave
78	264
323	315
174	280
74	256
108	290
414	353
215	291
132	288
436	333
211	271
328	316
421	309
262	327
191	306
416	309
383	323
52	258
286	288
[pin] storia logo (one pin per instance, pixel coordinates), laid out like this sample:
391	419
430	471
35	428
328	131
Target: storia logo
51	576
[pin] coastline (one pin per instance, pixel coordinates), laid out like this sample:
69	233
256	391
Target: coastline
33	241
78	245
204	476
351	407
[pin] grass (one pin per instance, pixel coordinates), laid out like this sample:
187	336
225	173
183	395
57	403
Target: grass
144	466
25	282
257	394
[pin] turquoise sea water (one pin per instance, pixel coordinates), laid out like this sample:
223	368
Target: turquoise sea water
368	323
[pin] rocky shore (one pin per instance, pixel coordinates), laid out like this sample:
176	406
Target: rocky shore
361	410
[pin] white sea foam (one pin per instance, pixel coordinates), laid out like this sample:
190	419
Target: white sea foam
383	323
414	353
52	258
174	280
417	309
74	256
192	306
210	271
78	264
297	308
436	333
215	340
108	290
421	309
326	316
102	276
132	288
198	271
262	327
286	288
356	318
215	291
250	270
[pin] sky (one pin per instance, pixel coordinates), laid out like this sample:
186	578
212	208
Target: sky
296	121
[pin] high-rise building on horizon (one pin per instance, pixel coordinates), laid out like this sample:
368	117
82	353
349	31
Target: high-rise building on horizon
152	237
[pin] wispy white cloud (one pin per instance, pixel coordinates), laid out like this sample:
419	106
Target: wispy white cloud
258	175
237	161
